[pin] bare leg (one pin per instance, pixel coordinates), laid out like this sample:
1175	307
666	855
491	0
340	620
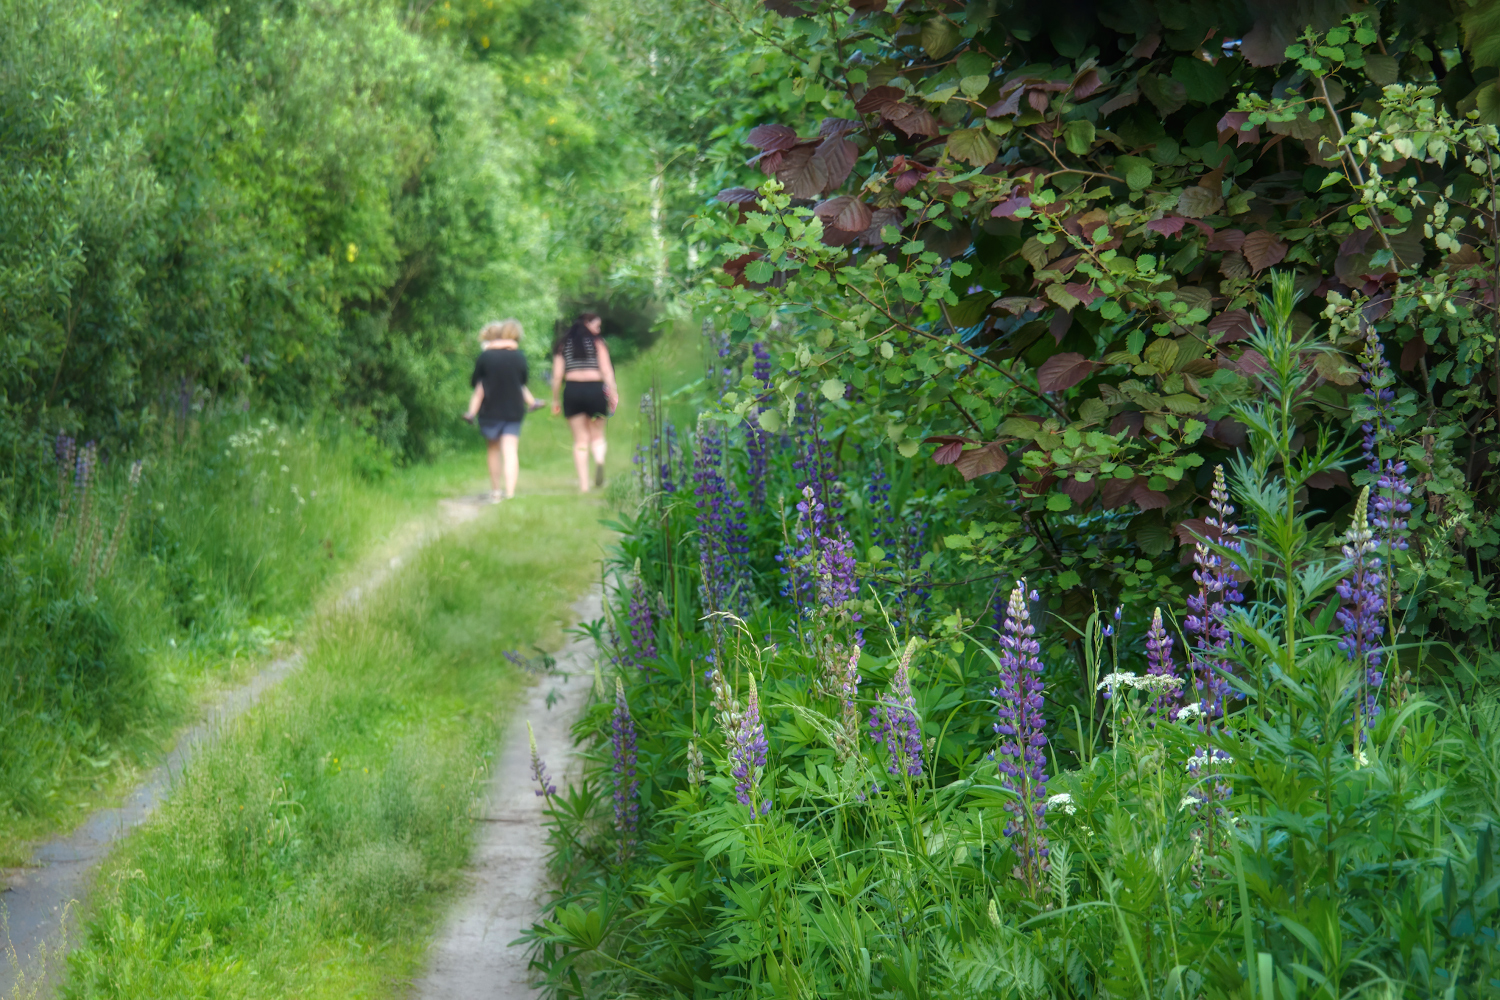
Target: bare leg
598	446
510	456
494	461
579	425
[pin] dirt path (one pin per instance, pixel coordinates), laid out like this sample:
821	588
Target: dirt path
472	959
39	909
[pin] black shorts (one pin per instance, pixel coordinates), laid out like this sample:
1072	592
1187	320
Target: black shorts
586	398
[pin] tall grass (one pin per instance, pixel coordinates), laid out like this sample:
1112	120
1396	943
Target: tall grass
122	604
303	854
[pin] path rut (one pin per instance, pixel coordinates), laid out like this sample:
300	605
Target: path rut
42	899
472	957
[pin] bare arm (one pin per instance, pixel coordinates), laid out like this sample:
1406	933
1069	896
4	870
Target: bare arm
474	401
557	381
607	369
526	395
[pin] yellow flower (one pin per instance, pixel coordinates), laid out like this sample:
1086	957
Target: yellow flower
352	252
484	41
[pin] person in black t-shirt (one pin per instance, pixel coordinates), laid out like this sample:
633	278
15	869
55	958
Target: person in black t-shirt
500	401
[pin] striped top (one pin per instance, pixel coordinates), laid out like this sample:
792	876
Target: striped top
580	353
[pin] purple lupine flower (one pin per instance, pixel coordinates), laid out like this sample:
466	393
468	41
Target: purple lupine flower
627	808
1022	758
545	788
83	483
1159	664
843	678
747	751
894	721
642	623
1208	610
1362	595
66	450
722	542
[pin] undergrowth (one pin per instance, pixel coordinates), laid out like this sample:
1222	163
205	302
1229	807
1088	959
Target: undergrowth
123	603
834	767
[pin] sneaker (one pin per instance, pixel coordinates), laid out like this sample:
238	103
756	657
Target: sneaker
598	476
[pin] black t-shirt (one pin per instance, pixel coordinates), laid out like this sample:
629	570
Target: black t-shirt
503	373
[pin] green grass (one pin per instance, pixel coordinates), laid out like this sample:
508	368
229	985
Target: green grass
306	853
239	530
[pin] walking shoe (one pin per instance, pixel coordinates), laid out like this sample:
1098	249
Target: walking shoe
598	476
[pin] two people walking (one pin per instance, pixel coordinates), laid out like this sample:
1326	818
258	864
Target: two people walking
583	391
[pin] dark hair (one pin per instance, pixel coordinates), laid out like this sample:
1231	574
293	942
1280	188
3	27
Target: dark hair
575	333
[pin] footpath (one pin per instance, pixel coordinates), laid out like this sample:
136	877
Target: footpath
472	958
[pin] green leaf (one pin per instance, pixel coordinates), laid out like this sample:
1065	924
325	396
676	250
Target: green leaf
833	389
1059	502
1137	170
939	36
973	86
974	146
1202	81
769	420
759	271
1079	136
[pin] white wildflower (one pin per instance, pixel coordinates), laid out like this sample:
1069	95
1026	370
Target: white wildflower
1119	679
1188	801
1063	801
1189	712
1360	759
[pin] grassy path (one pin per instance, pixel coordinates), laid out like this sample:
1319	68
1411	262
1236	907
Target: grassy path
471	959
307	852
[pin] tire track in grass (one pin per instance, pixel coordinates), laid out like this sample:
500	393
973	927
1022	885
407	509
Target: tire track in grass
38	911
472	958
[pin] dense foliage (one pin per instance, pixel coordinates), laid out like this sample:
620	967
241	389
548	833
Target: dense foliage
814	777
1034	239
1170	669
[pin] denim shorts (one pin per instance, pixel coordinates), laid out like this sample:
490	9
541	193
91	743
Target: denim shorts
494	430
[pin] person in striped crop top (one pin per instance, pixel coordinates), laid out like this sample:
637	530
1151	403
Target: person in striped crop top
583	390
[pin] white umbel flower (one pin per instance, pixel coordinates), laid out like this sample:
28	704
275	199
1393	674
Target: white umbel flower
1063	801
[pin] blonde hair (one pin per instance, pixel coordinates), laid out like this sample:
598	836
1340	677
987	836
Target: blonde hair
504	329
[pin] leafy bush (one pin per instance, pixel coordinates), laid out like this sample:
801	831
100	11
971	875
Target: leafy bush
1035	240
814	779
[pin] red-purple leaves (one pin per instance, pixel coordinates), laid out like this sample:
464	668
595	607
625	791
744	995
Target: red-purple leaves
736	196
808	167
845	212
1263	249
950	446
772	138
982	461
1063	371
889	103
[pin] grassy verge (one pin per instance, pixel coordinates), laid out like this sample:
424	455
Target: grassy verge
238	527
304	854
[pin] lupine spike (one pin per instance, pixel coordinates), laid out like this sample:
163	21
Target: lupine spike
722	545
1159	663
545	787
627	809
1362	594
894	721
1022	757
1208	610
747	750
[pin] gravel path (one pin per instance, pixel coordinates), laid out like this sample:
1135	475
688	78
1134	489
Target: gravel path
39	910
472	958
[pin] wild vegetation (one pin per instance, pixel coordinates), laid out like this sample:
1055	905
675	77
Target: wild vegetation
1080	578
244	252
